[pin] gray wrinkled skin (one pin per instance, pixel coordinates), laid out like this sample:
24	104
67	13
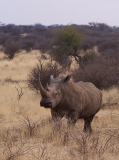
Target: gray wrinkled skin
74	101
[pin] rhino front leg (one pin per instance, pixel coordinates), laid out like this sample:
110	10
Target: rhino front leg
55	115
73	117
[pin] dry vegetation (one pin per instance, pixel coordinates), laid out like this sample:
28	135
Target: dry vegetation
28	133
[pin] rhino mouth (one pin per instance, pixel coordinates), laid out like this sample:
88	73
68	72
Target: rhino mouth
46	104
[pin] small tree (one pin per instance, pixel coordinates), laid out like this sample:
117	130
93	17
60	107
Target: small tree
67	43
11	48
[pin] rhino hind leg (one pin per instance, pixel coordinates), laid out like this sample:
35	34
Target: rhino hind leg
87	124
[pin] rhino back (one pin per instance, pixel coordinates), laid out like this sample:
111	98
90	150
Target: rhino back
92	97
83	97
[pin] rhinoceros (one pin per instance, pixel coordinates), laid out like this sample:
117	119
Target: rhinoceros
65	98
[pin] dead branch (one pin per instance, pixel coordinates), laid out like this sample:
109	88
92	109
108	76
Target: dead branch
19	92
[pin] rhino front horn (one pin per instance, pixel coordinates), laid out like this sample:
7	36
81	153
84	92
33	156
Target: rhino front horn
42	90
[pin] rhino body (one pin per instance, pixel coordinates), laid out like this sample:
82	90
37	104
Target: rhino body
81	100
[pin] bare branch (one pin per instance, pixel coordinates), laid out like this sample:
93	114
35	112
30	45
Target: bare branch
19	92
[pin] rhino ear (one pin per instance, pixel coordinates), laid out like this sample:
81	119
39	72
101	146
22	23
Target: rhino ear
67	78
51	77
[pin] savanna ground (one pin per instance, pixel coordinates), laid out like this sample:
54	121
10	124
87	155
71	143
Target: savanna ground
28	133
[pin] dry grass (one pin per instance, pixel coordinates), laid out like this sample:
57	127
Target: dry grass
28	133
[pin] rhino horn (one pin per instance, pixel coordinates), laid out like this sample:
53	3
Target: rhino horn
42	90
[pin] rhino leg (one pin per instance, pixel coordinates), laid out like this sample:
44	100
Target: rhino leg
87	124
73	117
55	115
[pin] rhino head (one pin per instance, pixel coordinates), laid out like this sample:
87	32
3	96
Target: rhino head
52	96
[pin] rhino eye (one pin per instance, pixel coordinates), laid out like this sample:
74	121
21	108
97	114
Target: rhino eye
56	94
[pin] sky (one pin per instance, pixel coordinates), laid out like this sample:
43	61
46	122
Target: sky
50	12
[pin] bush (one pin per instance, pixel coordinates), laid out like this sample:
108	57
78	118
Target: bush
11	48
103	73
45	72
111	53
3	39
88	57
27	44
44	44
108	45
